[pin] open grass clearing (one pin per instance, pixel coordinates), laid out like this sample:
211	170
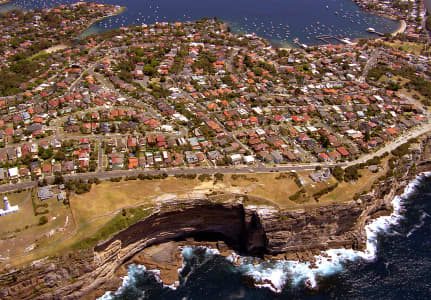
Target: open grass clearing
267	186
346	190
22	233
24	217
404	46
108	197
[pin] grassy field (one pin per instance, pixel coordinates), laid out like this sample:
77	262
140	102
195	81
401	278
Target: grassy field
22	218
267	186
21	233
410	47
96	215
347	190
119	222
111	196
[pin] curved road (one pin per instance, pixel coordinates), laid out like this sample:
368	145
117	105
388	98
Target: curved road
231	170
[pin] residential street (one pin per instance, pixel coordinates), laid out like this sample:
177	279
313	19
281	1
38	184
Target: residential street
104	175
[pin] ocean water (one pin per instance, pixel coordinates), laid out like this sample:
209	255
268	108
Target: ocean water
279	21
396	265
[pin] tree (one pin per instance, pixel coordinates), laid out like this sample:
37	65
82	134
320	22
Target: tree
367	136
58	179
324	141
338	173
60	156
149	70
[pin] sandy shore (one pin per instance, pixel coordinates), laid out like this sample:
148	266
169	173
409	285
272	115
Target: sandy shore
56	48
401	29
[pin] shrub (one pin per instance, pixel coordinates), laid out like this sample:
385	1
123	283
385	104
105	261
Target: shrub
219	176
325	191
43	220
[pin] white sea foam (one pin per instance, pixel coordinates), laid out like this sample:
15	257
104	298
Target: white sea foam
187	253
274	275
128	280
421	223
270	275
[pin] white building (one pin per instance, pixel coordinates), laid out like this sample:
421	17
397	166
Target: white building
249	160
7	210
13	173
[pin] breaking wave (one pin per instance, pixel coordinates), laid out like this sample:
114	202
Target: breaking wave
276	274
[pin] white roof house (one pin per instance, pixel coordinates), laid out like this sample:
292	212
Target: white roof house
13	172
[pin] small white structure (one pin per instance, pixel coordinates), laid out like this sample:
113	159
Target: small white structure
249	159
13	173
236	159
7	210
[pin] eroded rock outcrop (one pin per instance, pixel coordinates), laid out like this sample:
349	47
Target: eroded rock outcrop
259	231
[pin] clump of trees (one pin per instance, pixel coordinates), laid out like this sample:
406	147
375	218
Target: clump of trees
351	173
401	150
78	186
295	197
219	176
204	177
187	176
151	177
338	173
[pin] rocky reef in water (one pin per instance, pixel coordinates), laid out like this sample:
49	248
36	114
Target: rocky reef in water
267	232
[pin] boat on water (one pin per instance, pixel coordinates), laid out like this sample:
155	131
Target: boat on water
371	30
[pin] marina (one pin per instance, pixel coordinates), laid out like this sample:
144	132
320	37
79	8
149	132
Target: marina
278	22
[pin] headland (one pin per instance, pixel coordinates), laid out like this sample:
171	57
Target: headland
132	143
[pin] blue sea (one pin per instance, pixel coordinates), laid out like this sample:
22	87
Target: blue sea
279	21
395	265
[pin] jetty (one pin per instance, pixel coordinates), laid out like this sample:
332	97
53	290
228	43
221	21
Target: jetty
326	37
372	30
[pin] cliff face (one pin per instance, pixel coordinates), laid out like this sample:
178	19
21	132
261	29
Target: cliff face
249	230
313	229
220	221
254	231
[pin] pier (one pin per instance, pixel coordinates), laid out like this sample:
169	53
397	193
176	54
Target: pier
372	30
326	37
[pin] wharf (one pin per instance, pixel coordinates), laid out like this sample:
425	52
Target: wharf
326	37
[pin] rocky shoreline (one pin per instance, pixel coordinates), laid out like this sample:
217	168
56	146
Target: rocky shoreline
155	242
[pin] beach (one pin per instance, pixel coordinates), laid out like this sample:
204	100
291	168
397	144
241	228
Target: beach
401	29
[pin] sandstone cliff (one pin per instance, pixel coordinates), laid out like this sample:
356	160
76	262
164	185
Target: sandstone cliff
259	231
